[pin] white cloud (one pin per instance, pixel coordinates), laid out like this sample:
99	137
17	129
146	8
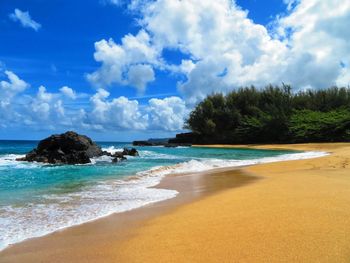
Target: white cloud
44	96
8	91
318	29
13	86
48	110
25	19
45	107
39	111
219	38
139	75
121	63
117	113
167	114
307	47
290	4
68	92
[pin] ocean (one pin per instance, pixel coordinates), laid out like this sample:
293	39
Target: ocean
38	199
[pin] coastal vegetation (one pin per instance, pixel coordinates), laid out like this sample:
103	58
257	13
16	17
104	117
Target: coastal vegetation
272	115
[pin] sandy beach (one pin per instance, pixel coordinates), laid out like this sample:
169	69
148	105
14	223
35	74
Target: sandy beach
292	211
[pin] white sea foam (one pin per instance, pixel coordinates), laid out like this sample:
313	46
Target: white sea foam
56	211
157	155
9	160
112	149
101	159
201	165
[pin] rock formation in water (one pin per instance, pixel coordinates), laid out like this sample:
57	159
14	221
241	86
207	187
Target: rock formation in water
70	148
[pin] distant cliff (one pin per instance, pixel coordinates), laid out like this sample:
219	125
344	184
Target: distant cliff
182	139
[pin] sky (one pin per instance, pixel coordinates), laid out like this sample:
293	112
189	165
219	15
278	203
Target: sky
123	70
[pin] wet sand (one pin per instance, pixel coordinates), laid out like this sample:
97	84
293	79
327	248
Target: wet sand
292	211
95	241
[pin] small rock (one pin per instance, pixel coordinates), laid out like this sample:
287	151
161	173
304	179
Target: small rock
131	152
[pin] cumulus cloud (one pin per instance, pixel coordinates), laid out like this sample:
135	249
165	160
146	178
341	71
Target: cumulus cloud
41	110
167	114
9	89
25	19
13	86
45	106
318	29
56	110
139	75
121	113
307	46
127	63
68	92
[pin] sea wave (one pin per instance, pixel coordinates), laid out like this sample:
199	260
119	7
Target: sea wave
200	165
112	149
156	155
9	161
58	211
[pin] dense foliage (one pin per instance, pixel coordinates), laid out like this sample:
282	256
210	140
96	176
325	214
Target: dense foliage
273	115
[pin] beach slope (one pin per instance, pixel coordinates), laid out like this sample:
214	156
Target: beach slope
291	211
299	212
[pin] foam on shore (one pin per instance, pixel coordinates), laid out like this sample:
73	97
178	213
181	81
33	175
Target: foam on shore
56	211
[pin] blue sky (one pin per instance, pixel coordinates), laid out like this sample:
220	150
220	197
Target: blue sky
161	58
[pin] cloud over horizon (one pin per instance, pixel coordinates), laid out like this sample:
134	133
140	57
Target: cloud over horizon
219	49
103	113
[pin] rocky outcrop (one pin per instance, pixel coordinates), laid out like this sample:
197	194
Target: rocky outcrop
120	156
147	143
70	148
182	139
130	152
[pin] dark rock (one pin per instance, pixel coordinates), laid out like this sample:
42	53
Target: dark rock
142	143
171	145
106	153
71	148
119	156
151	142
158	140
183	138
131	152
118	159
66	148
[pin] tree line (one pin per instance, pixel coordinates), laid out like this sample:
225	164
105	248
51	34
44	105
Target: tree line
274	114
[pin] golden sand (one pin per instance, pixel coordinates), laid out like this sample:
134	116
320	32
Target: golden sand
298	212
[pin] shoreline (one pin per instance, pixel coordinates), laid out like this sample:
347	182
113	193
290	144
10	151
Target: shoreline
191	187
169	182
180	169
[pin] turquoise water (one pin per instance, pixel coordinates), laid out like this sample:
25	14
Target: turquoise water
37	199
